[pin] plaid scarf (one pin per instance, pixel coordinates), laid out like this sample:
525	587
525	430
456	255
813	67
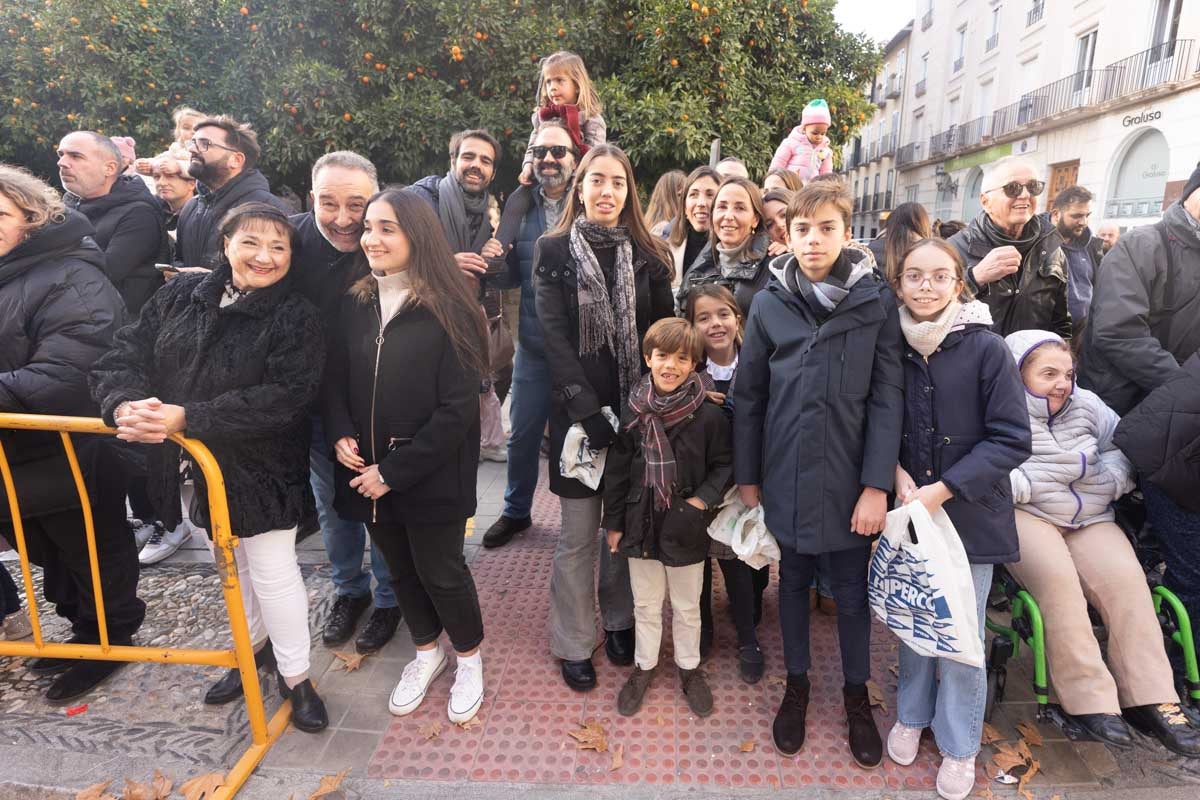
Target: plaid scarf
656	414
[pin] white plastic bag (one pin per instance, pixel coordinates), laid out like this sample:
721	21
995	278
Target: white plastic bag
578	460
744	531
923	590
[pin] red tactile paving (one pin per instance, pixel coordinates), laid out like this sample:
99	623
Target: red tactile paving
528	711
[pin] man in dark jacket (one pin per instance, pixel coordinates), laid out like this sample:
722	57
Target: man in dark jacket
323	269
129	223
531	374
1070	211
1145	323
224	155
58	315
1015	262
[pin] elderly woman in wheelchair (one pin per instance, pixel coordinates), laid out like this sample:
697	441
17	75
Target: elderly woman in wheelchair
1073	554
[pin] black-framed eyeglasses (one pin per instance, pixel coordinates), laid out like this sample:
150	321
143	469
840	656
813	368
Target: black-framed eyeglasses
559	151
202	145
1012	189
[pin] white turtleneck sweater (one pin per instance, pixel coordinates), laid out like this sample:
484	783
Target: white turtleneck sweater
395	289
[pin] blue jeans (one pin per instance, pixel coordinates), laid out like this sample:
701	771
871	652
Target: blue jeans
946	694
530	409
344	541
1178	534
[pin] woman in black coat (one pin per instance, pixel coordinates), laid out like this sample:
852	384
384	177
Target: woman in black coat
402	413
233	357
601	280
736	254
58	314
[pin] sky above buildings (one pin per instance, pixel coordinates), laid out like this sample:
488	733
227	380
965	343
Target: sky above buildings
879	19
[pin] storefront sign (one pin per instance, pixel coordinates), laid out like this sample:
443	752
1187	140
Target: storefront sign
1131	120
979	157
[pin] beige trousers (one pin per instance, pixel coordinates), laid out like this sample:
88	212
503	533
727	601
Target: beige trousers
651	582
1065	570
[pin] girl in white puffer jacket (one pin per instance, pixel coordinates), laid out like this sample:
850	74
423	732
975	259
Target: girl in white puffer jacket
1073	554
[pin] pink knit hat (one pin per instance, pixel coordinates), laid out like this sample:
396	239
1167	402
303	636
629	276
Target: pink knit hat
816	113
125	144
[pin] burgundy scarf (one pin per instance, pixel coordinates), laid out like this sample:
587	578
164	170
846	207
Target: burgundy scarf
657	414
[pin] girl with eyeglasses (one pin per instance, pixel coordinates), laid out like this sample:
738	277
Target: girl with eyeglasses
965	428
1014	257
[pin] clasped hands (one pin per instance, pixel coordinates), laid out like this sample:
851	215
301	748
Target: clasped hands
150	421
369	483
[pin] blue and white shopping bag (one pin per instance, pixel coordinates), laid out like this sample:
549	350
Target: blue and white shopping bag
923	590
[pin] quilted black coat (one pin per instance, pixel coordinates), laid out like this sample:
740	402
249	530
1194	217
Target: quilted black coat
246	376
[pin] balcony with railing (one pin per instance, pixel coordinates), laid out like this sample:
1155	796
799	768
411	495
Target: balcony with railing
873	152
919	88
1164	63
1035	14
942	143
973	132
887	146
895	85
992	41
908	153
927	20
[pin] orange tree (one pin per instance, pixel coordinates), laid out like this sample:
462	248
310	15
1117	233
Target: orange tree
393	79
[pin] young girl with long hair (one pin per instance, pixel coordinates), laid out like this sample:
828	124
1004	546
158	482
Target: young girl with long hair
965	428
402	414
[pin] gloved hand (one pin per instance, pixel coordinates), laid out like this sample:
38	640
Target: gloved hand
599	432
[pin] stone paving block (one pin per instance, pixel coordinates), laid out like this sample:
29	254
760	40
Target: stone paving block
1061	765
528	742
350	750
297	749
1098	758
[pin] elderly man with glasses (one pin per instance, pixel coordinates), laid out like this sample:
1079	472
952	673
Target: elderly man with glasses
1015	262
224	154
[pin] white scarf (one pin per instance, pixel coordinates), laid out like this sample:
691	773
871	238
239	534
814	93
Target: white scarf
927	337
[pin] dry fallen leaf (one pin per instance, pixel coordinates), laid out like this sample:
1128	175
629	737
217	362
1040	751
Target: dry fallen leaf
137	791
990	734
895	670
1024	751
1030	733
1056	797
747	746
162	785
877	697
430	730
1034	766
350	661
618	758
986	793
1006	758
95	792
590	736
329	784
473	722
776	680
202	787
659	720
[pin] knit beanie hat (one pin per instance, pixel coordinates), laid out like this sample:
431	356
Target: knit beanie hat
126	145
1192	185
816	113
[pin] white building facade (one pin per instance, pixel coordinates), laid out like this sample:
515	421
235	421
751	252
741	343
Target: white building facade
1100	93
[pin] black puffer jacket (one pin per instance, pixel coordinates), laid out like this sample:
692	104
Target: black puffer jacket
131	230
58	314
585	384
1035	297
1161	436
412	405
1145	318
745	280
198	233
246	376
678	536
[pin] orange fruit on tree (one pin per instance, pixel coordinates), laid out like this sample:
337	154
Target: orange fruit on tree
347	116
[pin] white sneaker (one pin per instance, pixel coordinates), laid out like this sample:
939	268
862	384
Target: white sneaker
956	777
498	453
162	543
142	531
414	683
466	696
902	743
16	626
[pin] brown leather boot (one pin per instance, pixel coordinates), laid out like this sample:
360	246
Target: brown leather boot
634	691
865	744
695	689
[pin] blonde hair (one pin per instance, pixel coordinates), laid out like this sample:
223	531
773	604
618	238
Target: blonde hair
572	65
186	111
36	199
667	198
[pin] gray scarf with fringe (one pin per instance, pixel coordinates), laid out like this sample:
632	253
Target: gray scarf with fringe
607	321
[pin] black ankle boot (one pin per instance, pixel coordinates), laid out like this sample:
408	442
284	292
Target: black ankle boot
1107	728
618	646
1167	723
862	736
229	688
308	710
788	728
80	678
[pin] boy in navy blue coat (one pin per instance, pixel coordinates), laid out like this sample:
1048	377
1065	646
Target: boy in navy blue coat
817	417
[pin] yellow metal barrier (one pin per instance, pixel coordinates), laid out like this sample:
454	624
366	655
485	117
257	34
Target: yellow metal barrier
263	734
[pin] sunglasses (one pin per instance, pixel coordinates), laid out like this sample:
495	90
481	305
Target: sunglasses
1012	189
558	151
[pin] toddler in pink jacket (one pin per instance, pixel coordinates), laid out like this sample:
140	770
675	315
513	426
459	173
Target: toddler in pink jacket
806	150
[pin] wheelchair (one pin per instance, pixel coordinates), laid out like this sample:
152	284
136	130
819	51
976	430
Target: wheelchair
1026	626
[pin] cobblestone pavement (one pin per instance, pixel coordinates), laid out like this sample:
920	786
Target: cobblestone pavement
150	716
